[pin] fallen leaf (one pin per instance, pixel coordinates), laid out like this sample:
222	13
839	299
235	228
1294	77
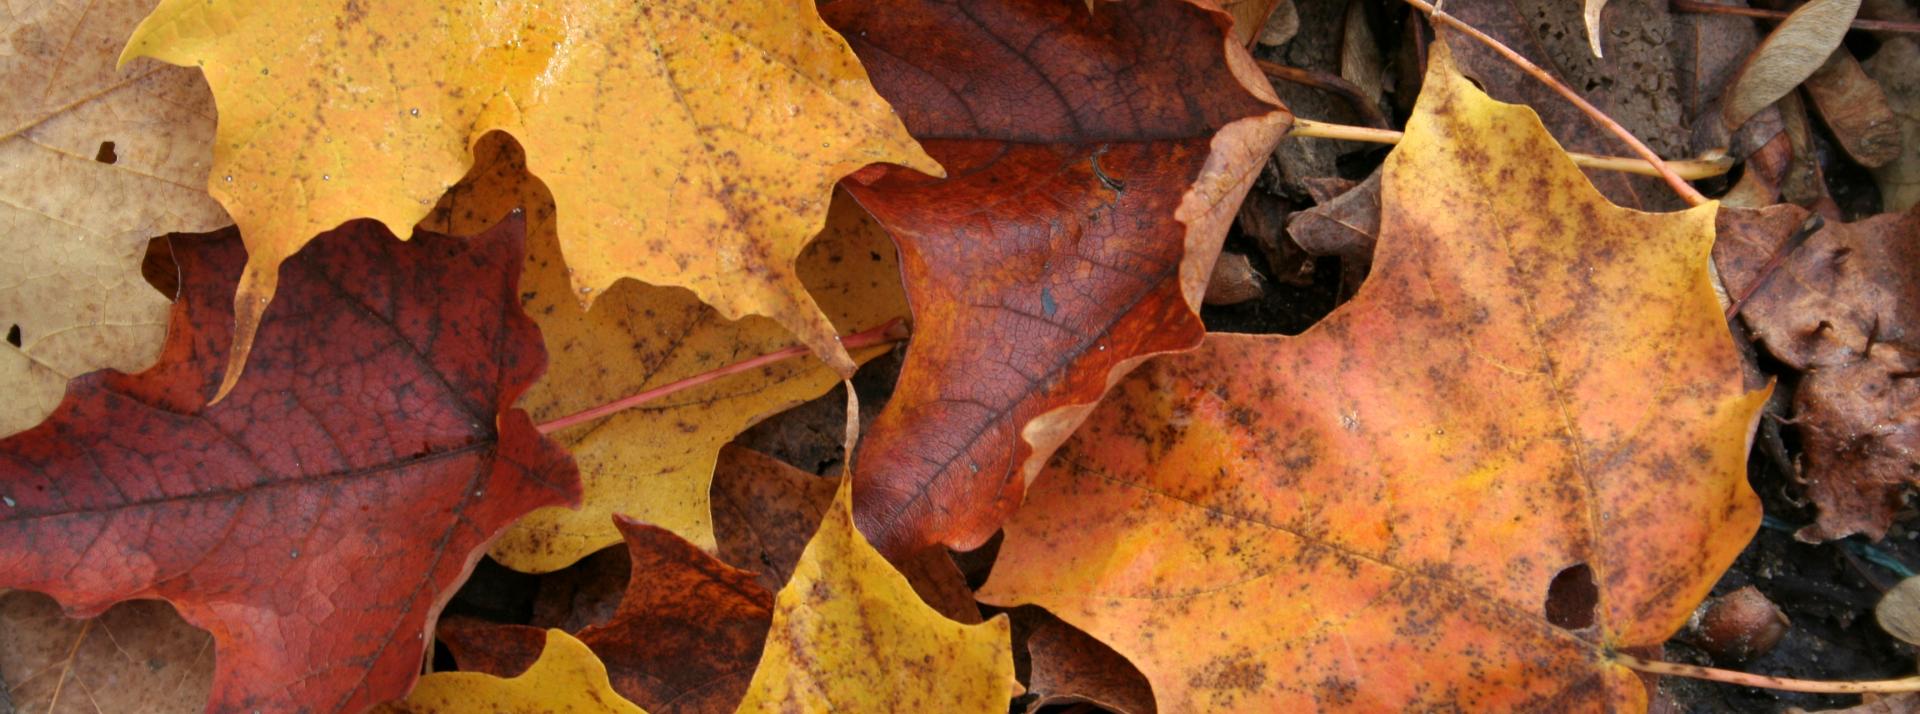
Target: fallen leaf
1345	227
94	161
318	519
1898	612
1897	68
849	634
138	657
631	112
1859	425
1848	287
1234	281
1855	110
1789	54
1590	12
1094	176
567	679
685	638
655	463
1519	448
1070	667
1250	17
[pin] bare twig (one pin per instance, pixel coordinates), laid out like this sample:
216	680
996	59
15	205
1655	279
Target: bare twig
1329	84
1763	681
893	331
1776	16
1687	192
1691	169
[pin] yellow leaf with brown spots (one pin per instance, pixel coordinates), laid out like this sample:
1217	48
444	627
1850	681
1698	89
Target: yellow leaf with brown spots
687	143
567	679
1521	447
849	634
94	161
654	463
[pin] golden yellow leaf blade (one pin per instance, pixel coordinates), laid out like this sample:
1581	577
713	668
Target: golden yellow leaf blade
1534	391
632	112
94	161
850	634
567	679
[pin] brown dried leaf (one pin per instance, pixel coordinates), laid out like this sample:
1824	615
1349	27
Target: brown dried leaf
1897	68
1856	109
137	658
1787	57
1071	667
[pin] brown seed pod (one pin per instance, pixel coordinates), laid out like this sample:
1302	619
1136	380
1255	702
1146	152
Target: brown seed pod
1737	626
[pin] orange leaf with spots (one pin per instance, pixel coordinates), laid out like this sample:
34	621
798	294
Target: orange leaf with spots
1521	447
1096	159
632	112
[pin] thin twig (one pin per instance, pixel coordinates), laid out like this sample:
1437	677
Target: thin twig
1776	16
1679	185
1330	84
893	331
1690	169
1763	681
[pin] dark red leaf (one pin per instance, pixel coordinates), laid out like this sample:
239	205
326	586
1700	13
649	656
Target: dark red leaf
318	518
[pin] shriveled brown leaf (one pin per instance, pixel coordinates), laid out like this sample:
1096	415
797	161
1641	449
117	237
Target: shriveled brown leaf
1855	109
1897	68
1071	667
137	658
1346	227
1234	281
1791	53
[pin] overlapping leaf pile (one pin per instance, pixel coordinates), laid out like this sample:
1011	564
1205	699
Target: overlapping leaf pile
1517	451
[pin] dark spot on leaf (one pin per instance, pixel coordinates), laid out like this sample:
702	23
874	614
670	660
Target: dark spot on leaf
106	155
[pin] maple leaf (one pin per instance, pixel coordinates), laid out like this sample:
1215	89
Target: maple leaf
317	520
138	656
93	162
850	634
631	112
1094	175
567	679
655	463
1519	448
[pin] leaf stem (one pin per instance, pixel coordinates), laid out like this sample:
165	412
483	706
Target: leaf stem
1687	192
1763	681
894	330
1690	169
1776	16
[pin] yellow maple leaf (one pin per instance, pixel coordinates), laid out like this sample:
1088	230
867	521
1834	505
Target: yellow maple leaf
1520	448
567	679
850	634
687	143
94	161
654	463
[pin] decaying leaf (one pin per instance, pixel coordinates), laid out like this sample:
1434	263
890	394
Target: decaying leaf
1345	227
94	160
1070	667
567	679
1791	53
685	638
1250	17
1897	68
1855	109
138	657
849	634
630	112
318	519
1097	160
655	463
1899	611
1520	447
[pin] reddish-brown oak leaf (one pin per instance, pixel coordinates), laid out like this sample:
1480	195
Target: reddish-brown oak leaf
1095	159
685	638
317	519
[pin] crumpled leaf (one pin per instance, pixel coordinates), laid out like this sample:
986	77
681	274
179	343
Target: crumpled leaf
1397	510
93	162
567	679
685	637
631	112
1855	110
1897	68
849	634
1070	667
1346	227
1094	175
655	463
1789	54
138	657
317	520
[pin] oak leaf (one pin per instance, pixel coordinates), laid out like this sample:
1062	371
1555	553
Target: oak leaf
1519	448
138	657
631	112
1096	161
318	519
567	679
93	162
655	463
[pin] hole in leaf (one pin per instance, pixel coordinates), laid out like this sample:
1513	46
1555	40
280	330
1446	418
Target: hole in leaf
13	336
106	155
159	268
1571	598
